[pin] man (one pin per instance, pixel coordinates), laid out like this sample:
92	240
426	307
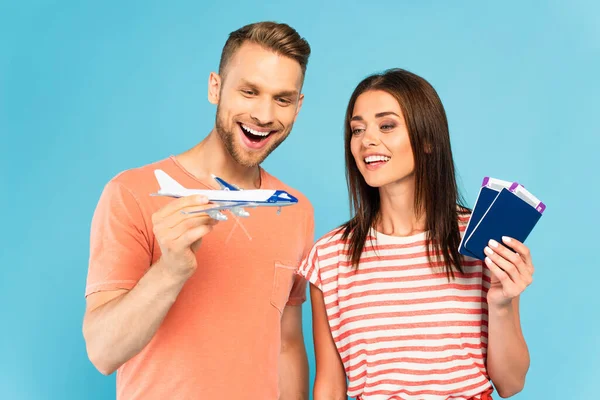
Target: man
183	306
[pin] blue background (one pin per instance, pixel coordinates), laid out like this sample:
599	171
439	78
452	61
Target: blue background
89	89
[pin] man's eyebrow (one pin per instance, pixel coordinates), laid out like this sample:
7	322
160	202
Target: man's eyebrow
288	93
248	83
283	93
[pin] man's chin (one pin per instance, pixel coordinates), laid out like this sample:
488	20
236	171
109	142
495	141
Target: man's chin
249	158
249	163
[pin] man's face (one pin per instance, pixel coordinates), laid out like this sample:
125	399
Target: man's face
257	100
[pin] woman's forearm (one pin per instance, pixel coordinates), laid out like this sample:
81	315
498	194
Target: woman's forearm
508	356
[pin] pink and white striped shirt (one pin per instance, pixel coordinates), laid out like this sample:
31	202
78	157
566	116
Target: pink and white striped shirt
402	329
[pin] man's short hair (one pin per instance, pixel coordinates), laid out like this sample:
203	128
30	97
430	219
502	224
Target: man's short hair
278	37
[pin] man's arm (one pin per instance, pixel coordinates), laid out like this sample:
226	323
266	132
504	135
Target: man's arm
293	370
119	323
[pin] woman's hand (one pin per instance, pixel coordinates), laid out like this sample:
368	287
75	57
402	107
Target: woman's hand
512	271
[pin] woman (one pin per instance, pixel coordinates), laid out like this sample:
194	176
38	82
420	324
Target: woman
398	313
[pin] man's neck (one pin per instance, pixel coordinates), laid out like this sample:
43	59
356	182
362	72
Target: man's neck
211	157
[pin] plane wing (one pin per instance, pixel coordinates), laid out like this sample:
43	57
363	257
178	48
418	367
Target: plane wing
225	185
214	212
221	206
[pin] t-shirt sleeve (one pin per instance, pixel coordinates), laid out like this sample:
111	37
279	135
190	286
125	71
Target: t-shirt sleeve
309	266
298	292
120	250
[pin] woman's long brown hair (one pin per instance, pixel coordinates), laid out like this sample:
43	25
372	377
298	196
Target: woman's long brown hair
436	191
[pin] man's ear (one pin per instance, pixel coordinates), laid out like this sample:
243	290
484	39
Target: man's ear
214	87
300	100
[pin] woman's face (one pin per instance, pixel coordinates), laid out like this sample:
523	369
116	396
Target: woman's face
380	143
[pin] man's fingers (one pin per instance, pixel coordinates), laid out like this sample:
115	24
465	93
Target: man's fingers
176	219
179	204
179	216
190	222
196	245
193	235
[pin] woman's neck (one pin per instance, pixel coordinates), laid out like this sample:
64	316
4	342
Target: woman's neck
398	216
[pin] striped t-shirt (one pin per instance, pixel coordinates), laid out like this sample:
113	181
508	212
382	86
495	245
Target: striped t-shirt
402	329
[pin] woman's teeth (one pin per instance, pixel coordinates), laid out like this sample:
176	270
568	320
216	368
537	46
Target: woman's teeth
372	159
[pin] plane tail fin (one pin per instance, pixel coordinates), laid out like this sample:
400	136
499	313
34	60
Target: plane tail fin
167	184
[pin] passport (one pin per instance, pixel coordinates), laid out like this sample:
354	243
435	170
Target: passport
502	208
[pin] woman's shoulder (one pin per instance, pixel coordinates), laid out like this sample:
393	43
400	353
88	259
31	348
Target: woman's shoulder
333	238
323	255
463	214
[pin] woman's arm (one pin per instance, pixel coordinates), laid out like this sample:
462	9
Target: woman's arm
330	380
508	356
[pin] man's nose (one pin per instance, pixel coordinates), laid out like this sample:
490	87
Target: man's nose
263	112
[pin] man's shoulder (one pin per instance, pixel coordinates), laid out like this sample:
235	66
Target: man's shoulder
140	179
130	189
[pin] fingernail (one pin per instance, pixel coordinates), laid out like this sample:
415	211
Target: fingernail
506	239
493	243
488	251
487	260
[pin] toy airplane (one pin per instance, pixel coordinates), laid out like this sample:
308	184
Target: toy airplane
230	197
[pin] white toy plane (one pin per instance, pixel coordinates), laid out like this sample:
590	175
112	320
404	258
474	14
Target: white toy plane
230	197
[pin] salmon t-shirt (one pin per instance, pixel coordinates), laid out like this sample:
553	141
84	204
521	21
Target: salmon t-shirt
221	339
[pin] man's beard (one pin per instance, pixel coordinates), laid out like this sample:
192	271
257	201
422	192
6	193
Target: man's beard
228	139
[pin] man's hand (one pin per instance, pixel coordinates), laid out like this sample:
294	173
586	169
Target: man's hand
118	324
179	235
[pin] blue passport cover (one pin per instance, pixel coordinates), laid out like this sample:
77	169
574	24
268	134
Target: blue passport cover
484	200
507	216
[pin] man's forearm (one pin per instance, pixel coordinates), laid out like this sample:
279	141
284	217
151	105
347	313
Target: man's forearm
508	356
293	371
118	330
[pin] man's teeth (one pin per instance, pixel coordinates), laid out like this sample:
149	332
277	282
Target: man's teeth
372	159
257	133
